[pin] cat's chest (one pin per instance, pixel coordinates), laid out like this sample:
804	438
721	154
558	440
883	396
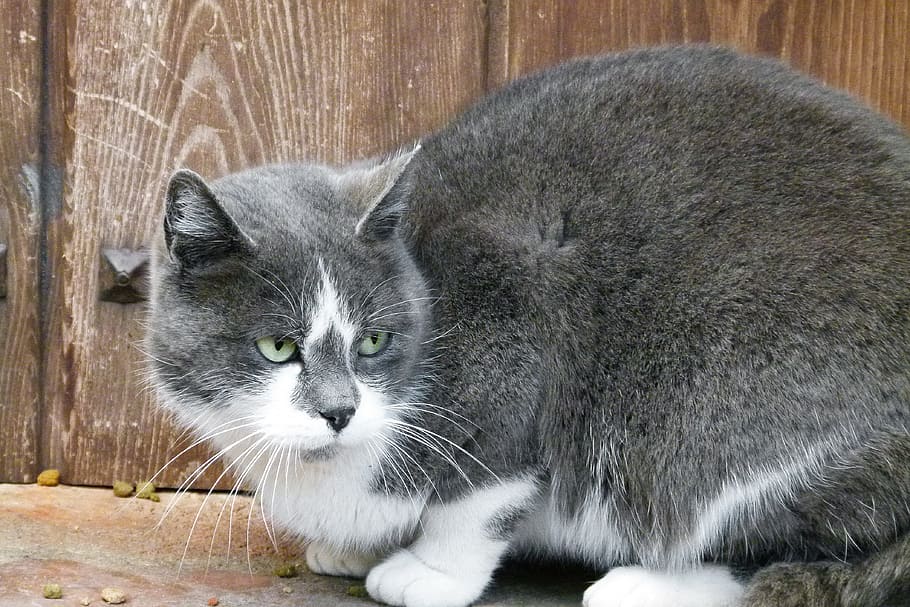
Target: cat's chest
334	503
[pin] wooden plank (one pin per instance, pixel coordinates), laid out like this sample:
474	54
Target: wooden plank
216	86
20	103
858	45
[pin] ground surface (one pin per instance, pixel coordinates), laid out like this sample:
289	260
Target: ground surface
88	539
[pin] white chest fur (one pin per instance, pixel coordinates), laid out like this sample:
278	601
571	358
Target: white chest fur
332	503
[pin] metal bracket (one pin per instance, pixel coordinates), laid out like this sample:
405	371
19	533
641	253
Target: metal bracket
123	275
2	271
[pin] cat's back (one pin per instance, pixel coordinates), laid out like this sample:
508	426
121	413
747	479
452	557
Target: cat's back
659	160
663	222
654	133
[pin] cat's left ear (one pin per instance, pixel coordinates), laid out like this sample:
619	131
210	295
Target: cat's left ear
381	191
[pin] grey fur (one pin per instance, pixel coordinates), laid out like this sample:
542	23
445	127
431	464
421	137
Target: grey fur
653	273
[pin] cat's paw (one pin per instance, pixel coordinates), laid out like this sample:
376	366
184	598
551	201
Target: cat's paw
639	587
406	581
325	561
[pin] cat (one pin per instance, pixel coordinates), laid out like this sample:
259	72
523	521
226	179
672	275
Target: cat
647	311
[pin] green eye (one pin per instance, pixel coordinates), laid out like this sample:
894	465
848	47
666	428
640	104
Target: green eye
374	343
276	350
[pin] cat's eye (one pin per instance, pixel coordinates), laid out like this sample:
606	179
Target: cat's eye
373	343
276	350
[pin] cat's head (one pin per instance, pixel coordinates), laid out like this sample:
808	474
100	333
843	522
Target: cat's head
285	310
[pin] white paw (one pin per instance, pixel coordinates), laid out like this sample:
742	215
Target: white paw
406	581
325	561
709	586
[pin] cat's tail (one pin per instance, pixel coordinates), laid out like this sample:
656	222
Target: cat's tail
881	580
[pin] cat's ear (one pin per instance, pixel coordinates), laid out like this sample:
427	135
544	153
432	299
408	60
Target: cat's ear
197	229
383	194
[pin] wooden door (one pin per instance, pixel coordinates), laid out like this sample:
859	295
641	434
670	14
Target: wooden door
216	86
123	93
20	237
861	46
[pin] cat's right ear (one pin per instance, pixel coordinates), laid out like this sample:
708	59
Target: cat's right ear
197	229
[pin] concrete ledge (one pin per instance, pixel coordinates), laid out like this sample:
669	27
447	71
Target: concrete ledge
86	539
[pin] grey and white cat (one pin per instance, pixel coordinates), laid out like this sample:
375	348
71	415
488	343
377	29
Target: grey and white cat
648	311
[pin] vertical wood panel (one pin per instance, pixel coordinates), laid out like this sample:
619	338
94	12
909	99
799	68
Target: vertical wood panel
858	45
140	88
217	86
20	102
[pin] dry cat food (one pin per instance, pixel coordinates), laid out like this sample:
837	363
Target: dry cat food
213	602
288	570
52	591
123	489
358	590
114	596
145	490
49	478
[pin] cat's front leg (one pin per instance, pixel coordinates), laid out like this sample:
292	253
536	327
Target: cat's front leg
459	546
326	560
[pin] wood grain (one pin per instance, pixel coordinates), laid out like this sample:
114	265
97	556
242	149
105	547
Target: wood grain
20	102
216	86
862	46
137	89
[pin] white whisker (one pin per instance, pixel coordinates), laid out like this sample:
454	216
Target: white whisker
222	429
401	303
186	546
454	445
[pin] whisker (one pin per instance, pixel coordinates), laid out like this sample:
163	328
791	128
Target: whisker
363	303
373	319
265	476
290	319
196	474
249	516
442	335
415	434
186	546
224	503
284	290
142	350
207	437
405	335
395	305
402	303
403	454
412	486
453	444
398	407
235	491
438	412
287	482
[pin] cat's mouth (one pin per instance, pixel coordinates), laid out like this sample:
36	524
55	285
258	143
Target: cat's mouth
322	433
298	430
312	455
274	421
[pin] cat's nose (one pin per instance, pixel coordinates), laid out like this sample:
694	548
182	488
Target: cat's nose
338	418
